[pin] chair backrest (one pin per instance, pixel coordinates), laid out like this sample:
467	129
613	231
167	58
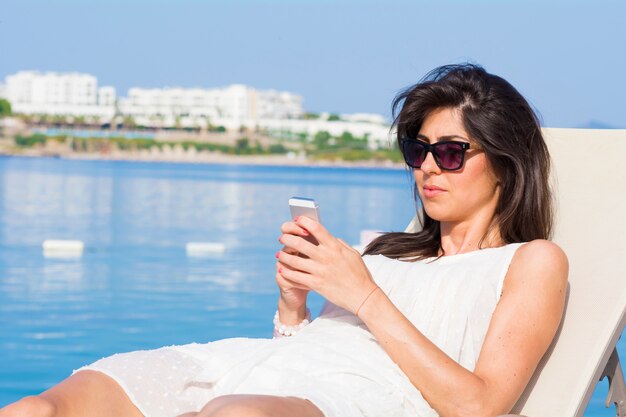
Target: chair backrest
589	171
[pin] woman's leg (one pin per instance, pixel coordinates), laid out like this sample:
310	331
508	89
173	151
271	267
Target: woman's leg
84	394
258	406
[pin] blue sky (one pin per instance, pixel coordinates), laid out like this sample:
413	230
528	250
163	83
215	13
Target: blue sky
567	57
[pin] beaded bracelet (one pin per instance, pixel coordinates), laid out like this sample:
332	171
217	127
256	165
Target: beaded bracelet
281	330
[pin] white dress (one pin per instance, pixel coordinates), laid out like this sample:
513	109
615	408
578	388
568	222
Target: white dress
334	362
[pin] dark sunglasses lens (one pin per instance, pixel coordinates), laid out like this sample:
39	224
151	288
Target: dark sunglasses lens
414	153
449	155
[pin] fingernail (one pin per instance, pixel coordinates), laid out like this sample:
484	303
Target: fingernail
304	232
277	253
280	270
279	237
296	219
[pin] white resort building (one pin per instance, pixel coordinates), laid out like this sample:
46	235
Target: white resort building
233	107
73	94
236	103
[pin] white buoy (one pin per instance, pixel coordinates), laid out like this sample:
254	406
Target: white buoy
63	248
204	248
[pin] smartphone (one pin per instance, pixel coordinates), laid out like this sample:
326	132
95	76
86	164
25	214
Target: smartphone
301	206
308	207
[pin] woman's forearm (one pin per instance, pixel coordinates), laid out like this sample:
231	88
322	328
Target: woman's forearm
448	387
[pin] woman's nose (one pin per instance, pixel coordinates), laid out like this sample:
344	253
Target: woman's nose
429	165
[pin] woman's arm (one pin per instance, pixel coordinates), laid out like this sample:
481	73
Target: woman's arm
521	329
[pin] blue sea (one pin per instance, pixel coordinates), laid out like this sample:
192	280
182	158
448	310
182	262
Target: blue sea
135	287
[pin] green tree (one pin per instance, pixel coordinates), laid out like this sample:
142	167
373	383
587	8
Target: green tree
5	107
333	117
59	120
310	116
242	146
277	148
345	140
129	122
302	137
29	141
321	139
79	120
43	119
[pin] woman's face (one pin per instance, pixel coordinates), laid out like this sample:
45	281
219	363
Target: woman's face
455	196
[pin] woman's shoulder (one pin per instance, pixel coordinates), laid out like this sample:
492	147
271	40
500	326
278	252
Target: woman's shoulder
545	253
538	263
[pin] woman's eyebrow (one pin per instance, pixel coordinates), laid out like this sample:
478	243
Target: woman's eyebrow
440	138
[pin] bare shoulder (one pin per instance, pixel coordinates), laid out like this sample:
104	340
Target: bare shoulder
539	262
542	251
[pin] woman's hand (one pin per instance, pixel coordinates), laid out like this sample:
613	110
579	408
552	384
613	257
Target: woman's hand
292	295
331	267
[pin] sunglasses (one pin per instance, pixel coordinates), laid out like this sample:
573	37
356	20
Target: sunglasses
449	154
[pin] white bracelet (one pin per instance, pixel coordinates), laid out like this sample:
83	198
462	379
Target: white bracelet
281	330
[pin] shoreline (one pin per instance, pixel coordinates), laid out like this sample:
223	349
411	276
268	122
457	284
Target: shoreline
212	159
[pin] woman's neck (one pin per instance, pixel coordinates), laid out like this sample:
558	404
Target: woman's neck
467	237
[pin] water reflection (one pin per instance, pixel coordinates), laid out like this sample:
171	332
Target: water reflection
39	206
61	277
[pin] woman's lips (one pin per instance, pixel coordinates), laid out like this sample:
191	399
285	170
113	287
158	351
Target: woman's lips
431	191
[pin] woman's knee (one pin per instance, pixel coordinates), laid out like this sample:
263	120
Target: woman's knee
34	406
259	406
233	406
85	393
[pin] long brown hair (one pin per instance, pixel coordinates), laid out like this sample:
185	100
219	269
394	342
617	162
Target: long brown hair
501	121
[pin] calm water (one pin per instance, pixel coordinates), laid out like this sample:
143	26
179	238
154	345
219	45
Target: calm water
135	287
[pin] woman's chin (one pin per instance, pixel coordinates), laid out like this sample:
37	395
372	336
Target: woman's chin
436	211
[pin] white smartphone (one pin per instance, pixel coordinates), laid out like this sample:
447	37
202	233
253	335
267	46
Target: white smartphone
301	206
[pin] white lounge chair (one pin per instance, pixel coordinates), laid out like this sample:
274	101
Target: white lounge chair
589	171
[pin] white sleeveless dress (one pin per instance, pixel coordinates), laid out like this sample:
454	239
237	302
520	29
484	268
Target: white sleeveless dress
334	362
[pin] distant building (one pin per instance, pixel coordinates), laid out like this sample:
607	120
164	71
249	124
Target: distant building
378	134
72	94
236	102
106	96
365	117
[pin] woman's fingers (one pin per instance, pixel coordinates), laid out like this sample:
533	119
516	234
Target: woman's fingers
318	238
284	283
298	278
295	262
290	251
298	244
293	229
315	229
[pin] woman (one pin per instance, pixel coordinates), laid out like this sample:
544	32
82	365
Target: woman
449	321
